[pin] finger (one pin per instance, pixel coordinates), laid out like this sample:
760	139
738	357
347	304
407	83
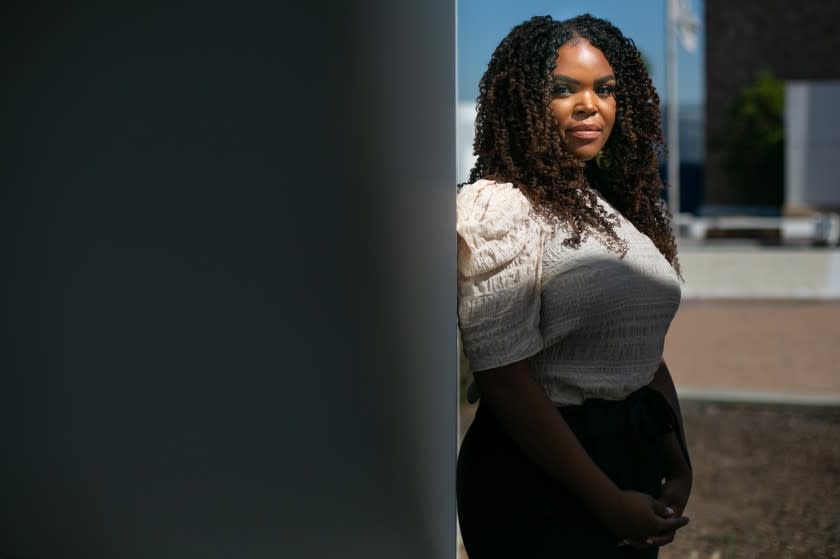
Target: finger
674	506
635	543
672	524
663	539
661	509
672	502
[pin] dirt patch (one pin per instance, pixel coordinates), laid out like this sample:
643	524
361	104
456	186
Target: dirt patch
766	482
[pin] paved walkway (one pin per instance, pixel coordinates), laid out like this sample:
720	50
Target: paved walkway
774	346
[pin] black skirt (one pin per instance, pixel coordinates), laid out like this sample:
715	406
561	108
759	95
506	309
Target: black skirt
508	507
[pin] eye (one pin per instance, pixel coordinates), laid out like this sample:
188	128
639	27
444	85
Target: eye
606	90
561	90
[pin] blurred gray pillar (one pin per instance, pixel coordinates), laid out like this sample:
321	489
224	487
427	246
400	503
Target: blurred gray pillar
812	146
228	310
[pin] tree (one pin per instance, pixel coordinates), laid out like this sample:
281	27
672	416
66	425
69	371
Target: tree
753	142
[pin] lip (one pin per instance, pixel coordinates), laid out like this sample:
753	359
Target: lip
584	131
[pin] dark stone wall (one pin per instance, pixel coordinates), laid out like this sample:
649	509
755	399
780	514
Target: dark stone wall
795	40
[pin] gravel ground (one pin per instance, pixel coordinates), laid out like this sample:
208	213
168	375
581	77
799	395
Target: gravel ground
767	482
767	476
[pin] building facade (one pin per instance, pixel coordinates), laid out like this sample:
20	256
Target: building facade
793	40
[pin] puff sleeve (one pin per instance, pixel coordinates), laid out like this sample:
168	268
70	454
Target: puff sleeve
499	268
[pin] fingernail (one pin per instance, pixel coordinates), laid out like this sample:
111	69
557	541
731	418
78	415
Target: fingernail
649	541
669	510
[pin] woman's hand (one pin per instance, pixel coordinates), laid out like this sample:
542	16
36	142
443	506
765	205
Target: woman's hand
677	487
678	477
675	493
641	519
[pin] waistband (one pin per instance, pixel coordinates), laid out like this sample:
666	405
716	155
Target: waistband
644	413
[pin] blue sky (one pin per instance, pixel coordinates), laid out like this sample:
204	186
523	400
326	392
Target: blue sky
483	23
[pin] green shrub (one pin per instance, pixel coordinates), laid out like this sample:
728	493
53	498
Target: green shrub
752	140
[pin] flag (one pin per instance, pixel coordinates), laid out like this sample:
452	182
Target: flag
687	24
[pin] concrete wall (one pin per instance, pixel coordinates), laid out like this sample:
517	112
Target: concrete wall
768	273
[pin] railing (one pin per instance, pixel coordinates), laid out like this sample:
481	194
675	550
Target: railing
819	229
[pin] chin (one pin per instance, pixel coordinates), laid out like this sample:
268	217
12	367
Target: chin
584	156
584	152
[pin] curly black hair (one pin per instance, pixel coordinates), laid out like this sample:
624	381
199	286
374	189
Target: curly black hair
517	137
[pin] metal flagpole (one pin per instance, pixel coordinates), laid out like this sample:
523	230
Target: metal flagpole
672	115
678	17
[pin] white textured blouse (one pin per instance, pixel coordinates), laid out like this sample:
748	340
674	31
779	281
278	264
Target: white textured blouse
591	323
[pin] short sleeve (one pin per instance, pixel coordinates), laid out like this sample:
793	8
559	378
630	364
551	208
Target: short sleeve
498	275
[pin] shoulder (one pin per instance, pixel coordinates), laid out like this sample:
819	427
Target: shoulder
494	226
498	275
491	204
490	210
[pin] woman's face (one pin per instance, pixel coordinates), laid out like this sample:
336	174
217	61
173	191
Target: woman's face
583	98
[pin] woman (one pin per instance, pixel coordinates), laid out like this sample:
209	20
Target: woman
568	281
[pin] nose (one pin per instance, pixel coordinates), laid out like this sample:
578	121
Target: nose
585	104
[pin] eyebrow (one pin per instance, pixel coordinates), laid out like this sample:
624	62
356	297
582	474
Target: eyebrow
600	81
